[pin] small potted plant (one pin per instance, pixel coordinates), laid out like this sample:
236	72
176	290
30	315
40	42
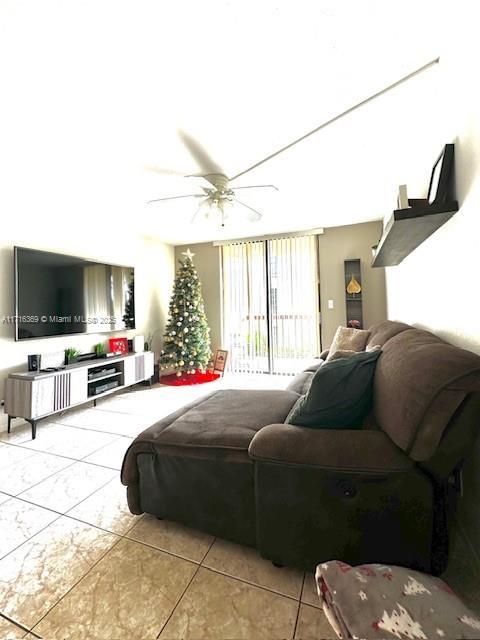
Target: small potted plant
71	355
99	349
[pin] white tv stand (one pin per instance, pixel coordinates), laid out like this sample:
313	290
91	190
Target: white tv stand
35	395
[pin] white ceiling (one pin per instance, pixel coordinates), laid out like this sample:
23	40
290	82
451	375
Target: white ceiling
93	91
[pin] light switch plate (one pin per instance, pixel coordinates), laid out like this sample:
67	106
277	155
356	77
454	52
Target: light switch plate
330	304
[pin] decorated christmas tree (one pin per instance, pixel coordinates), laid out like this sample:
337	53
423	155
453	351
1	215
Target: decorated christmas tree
129	315
187	335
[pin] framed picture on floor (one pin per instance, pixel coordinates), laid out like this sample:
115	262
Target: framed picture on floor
220	361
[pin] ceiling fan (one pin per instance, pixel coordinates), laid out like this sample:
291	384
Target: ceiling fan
220	194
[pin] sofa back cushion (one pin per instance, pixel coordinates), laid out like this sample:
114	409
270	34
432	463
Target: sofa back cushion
419	383
383	331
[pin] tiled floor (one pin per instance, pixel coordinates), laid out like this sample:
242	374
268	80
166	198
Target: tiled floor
76	564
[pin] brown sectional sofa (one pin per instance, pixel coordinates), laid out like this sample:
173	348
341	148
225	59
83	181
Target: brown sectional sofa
228	465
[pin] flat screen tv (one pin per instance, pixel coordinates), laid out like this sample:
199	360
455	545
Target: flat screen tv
58	295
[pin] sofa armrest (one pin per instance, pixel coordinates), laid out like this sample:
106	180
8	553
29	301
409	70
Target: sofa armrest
324	354
362	450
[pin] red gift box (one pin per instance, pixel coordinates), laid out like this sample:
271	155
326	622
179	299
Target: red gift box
118	344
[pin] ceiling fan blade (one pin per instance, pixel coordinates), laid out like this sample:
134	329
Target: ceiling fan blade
191	195
254	214
257	186
199	154
217	180
163	172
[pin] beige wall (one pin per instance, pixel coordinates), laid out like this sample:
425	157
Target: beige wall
436	286
153	262
207	263
343	243
336	245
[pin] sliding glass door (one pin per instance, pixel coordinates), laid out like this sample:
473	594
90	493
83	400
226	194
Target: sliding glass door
245	325
270	304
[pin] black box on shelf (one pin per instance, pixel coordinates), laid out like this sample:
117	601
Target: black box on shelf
101	387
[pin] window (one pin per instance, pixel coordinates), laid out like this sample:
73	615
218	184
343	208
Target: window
270	304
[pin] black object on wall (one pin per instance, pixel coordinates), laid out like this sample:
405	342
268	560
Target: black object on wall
408	228
353	293
58	294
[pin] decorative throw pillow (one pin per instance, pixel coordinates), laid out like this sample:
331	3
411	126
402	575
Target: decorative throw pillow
340	394
347	339
378	601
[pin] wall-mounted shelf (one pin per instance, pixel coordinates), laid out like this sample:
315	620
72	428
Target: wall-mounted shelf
408	228
353	301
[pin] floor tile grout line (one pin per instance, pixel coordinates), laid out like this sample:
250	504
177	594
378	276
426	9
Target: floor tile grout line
37	483
60	424
64	513
19	625
61	455
23	445
251	584
111	433
103	447
180	557
59	515
199	566
201	563
91	494
123	535
76	583
298	609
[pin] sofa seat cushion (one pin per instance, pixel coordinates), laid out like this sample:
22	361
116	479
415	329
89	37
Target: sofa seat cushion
218	426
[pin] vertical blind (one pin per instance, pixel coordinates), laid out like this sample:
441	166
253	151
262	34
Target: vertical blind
270	304
245	306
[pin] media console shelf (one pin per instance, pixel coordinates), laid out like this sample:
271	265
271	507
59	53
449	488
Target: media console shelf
35	395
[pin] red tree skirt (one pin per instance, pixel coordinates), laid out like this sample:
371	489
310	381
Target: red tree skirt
189	378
